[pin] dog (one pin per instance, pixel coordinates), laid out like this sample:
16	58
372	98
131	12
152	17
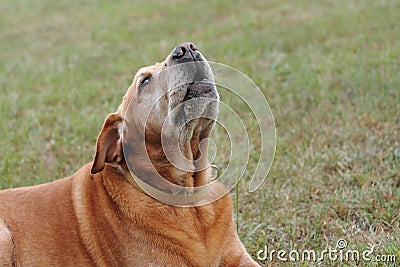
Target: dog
147	198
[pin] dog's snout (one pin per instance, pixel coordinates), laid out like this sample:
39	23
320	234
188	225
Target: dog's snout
185	52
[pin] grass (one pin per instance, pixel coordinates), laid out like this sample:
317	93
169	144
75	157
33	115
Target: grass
330	71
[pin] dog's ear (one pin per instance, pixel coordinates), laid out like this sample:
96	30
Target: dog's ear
109	146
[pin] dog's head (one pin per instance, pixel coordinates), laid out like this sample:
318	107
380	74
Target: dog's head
161	127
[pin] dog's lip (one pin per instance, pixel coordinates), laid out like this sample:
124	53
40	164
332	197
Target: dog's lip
200	74
204	80
209	91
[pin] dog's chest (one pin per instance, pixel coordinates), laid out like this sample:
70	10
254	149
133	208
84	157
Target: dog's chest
181	237
146	232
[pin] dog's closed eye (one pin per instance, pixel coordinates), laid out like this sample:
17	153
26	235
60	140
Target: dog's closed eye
145	80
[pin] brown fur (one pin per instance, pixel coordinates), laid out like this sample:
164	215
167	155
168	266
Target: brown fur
96	217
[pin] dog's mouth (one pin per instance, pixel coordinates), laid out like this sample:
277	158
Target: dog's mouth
194	95
199	103
204	88
202	84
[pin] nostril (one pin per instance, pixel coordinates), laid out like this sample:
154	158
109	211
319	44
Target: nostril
193	47
179	52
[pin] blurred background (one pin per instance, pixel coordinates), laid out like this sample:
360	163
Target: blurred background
329	69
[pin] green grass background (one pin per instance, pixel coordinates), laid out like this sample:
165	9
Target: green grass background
329	69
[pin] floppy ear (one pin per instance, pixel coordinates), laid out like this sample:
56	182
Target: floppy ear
108	146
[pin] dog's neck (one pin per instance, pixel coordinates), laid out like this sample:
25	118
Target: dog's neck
175	195
148	160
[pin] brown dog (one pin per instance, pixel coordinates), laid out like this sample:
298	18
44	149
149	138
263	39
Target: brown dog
103	215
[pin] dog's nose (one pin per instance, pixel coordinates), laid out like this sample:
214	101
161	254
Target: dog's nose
185	52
